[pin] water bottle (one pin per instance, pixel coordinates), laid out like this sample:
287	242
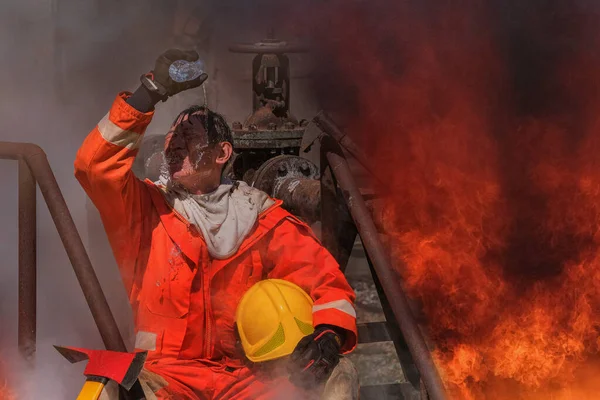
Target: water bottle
183	71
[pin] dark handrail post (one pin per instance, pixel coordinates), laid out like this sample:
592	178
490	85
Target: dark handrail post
79	258
326	124
338	232
41	171
390	280
27	262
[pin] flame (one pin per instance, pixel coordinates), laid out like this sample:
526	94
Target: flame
496	182
5	392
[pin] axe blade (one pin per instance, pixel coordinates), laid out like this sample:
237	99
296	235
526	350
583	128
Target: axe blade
123	368
72	354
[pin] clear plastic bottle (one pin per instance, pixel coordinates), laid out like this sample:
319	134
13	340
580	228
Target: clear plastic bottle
183	71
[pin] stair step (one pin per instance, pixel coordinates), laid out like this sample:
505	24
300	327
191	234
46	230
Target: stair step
373	332
377	363
394	391
376	358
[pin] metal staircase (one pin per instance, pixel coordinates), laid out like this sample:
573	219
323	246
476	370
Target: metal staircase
381	373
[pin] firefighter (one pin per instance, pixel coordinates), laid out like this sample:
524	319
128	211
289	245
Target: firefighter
191	244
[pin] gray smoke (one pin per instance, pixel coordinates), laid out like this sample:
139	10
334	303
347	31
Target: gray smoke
61	64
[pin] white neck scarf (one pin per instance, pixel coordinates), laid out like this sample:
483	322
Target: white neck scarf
225	217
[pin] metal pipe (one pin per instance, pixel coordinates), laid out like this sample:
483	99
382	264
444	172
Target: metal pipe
27	262
390	281
77	254
338	231
301	197
326	124
379	211
82	266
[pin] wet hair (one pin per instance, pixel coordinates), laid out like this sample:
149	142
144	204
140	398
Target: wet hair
213	123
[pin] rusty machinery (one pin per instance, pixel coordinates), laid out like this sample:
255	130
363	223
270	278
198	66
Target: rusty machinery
268	143
271	130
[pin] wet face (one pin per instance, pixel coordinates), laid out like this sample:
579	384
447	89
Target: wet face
188	154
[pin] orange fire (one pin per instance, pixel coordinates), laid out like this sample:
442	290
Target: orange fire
5	392
496	182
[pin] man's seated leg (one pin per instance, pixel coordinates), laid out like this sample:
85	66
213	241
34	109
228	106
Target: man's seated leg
188	379
271	382
179	379
343	383
194	380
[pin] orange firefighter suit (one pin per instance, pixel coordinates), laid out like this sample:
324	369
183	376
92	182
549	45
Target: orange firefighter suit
183	300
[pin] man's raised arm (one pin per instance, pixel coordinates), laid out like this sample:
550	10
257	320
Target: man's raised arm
104	160
103	168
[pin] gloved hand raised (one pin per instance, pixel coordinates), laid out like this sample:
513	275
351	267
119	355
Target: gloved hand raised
315	357
158	80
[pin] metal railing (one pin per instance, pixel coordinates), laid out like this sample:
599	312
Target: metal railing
334	160
35	169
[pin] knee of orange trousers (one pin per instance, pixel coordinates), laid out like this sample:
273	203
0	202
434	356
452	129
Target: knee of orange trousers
249	386
343	384
186	379
189	379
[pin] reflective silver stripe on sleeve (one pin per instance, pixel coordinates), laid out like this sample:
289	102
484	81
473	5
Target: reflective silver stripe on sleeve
340	305
117	136
145	341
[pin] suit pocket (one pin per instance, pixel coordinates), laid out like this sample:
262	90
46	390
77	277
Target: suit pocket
169	288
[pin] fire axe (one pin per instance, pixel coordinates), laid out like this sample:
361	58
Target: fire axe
104	366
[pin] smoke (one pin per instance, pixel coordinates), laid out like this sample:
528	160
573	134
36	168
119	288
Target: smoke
485	109
62	62
487	112
58	76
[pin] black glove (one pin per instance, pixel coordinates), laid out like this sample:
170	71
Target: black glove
158	81
315	356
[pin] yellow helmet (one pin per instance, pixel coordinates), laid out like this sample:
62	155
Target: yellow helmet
272	317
